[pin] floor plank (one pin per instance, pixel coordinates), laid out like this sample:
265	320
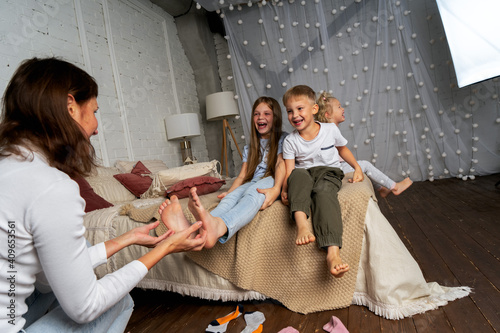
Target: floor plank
432	321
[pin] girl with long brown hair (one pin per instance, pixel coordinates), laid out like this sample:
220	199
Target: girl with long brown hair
258	184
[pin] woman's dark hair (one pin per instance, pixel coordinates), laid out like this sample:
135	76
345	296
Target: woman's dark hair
254	154
35	114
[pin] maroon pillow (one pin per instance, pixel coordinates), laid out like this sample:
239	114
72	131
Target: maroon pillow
203	184
137	181
93	201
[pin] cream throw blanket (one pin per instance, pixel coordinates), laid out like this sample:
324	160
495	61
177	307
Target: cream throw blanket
263	256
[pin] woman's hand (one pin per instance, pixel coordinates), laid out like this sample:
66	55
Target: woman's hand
137	236
141	235
183	240
180	241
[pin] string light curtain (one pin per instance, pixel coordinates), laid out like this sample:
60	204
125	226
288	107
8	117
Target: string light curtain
389	65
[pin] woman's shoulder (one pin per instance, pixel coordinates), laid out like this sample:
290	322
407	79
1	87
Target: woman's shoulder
33	168
33	179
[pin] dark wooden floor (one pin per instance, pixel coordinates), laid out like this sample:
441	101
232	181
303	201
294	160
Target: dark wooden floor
451	227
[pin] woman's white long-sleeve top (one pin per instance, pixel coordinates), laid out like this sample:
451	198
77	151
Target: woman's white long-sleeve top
42	233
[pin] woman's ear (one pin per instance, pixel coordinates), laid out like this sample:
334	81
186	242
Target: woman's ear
72	105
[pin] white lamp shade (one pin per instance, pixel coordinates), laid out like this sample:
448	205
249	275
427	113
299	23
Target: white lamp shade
182	125
221	105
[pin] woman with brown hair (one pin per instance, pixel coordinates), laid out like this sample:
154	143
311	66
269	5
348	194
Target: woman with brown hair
48	117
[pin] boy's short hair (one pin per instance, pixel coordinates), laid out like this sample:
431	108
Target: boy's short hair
300	90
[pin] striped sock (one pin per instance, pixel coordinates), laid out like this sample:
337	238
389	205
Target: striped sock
219	325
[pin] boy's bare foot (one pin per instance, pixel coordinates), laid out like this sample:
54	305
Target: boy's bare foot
304	233
402	185
384	191
335	265
214	226
172	215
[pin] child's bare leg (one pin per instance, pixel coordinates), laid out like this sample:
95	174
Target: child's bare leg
402	185
172	215
335	265
214	226
304	233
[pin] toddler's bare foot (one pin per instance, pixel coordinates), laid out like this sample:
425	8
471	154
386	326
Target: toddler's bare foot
172	215
384	191
402	185
214	226
304	234
335	265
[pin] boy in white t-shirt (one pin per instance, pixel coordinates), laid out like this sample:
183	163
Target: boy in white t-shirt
312	158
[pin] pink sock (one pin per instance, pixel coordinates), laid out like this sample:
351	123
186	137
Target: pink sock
289	329
335	326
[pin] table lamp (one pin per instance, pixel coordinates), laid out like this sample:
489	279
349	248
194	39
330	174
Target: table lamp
220	106
183	126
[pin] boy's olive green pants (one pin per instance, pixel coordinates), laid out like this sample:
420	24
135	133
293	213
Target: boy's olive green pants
315	190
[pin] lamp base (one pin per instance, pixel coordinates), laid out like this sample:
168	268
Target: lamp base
187	154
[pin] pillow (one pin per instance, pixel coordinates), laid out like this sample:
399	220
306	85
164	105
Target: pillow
203	184
165	178
92	200
153	165
138	181
106	186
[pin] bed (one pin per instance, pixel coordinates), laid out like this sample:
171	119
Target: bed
262	261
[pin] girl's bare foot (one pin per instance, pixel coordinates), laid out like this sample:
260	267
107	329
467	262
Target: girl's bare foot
335	265
402	185
304	233
214	226
172	215
384	191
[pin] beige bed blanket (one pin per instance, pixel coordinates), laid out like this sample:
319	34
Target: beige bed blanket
263	256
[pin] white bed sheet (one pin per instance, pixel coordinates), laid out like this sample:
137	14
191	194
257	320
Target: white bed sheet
390	282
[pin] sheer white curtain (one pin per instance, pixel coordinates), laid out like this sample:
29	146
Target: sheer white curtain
389	65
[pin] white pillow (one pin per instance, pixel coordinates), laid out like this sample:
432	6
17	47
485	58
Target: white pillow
105	185
153	165
165	178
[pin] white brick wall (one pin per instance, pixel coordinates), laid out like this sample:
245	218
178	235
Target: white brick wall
141	78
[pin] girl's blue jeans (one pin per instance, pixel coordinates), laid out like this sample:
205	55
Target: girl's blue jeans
240	206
